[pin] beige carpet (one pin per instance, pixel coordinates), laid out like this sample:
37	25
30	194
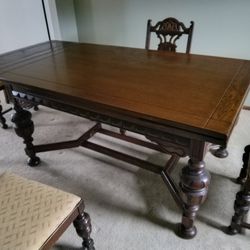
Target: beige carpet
130	208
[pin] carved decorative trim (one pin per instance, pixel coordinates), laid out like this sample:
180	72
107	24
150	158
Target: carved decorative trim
167	141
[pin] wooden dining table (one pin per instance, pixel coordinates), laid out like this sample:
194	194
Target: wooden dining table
181	103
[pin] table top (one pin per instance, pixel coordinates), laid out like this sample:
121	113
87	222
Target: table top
194	92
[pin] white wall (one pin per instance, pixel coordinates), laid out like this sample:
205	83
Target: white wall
21	24
67	20
221	27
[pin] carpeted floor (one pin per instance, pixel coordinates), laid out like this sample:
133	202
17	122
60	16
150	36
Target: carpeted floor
130	207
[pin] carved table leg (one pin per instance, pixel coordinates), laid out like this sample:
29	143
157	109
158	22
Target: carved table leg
24	127
83	228
194	187
2	119
221	152
243	173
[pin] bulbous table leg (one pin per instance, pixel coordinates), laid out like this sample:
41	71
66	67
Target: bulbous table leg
24	127
194	187
194	182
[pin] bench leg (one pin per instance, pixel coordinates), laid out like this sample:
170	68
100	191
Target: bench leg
83	228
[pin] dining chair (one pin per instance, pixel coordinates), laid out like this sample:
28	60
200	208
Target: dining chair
168	31
34	215
2	119
242	201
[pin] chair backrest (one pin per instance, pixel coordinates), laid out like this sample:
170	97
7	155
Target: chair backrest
169	31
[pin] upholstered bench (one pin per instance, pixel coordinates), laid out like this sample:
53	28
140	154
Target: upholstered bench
34	215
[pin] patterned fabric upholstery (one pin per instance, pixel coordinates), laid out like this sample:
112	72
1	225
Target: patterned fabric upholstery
30	212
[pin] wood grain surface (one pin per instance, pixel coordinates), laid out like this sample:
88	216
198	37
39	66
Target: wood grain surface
197	92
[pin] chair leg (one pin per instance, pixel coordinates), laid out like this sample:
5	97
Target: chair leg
242	202
83	228
243	173
241	208
2	119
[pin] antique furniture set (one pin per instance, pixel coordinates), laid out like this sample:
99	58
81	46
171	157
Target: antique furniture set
182	103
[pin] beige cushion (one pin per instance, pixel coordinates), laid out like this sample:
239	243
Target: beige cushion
30	212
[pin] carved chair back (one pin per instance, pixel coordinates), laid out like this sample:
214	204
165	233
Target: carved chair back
169	31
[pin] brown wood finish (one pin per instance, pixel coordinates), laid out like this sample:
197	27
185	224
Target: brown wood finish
142	84
180	102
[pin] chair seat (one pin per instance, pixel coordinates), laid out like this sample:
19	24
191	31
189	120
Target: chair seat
30	212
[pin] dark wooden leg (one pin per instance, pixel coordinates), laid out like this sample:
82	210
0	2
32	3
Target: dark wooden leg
194	187
83	228
243	173
221	152
242	201
36	107
2	119
24	127
241	208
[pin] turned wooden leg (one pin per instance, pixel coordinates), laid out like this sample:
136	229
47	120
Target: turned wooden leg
221	152
83	228
194	188
241	208
24	127
243	173
242	201
2	119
